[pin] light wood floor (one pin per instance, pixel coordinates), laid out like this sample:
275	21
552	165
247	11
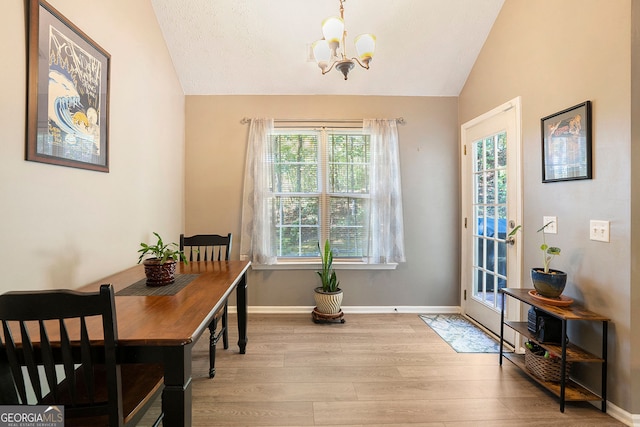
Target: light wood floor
374	370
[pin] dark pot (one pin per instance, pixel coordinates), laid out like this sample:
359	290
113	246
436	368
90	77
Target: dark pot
159	274
549	285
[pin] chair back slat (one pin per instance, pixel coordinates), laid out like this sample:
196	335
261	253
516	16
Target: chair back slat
29	360
87	361
48	360
68	362
12	358
206	247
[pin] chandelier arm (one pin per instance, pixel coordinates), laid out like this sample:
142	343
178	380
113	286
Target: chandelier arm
333	63
365	66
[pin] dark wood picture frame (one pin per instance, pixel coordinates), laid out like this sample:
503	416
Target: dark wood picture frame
68	93
566	144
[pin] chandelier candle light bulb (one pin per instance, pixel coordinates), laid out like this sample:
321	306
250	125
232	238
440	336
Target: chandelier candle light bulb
365	45
331	51
333	32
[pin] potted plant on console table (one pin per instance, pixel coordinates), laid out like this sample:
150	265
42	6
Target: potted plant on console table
161	268
548	283
328	296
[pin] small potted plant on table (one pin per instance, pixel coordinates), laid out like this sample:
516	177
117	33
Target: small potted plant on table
161	267
548	283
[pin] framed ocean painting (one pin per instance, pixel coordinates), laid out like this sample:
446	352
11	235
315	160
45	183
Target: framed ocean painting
68	93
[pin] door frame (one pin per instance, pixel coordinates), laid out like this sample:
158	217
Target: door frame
513	310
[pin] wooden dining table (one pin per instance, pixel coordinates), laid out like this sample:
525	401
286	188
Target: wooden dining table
164	328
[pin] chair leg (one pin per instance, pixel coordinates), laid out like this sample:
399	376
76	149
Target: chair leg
159	422
225	333
214	337
212	347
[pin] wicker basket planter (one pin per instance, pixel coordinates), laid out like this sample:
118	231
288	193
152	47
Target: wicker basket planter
543	368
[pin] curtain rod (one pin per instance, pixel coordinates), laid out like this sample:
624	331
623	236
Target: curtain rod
245	120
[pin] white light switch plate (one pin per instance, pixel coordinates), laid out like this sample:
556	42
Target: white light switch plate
599	230
551	228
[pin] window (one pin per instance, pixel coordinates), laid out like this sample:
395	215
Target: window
320	187
302	186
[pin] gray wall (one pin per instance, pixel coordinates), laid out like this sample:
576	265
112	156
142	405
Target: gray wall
555	55
216	148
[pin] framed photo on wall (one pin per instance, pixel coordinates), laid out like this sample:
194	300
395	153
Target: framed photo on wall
566	144
68	93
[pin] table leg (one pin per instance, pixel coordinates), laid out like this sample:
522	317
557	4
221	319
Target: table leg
563	364
604	366
241	301
502	328
176	397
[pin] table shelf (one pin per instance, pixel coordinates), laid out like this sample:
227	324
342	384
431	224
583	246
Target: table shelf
573	391
565	389
574	353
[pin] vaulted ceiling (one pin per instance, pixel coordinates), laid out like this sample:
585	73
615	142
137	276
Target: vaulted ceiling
262	47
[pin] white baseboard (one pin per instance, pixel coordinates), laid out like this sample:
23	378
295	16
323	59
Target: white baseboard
621	415
357	309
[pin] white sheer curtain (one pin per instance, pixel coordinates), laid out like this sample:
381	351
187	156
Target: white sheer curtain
255	238
386	225
386	234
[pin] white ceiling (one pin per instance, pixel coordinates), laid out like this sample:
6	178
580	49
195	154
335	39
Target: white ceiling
260	47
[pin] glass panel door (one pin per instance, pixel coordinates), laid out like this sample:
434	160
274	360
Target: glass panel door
491	207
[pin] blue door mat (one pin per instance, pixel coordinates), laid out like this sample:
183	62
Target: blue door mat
461	334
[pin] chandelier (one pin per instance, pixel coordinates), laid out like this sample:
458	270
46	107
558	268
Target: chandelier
331	52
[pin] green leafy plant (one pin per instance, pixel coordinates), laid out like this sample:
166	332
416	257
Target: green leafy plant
328	277
162	251
548	252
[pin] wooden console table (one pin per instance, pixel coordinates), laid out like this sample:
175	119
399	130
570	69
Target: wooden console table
566	390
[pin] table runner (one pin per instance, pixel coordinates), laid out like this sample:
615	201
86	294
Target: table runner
140	288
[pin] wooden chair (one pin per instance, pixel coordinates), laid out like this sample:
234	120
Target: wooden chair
206	247
47	357
211	247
